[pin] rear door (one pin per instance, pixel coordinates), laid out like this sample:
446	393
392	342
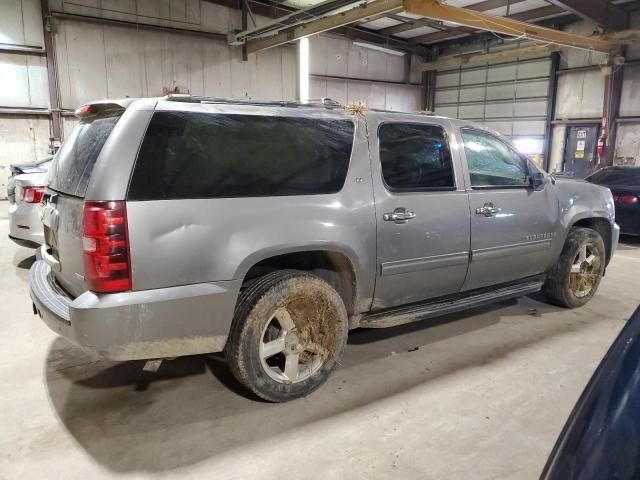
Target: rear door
64	199
422	210
512	225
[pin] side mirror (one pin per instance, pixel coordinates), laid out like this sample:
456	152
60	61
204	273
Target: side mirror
537	180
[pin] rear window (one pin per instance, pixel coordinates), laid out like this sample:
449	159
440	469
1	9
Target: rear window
201	155
74	162
628	177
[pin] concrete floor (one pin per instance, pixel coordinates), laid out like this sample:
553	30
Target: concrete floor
484	396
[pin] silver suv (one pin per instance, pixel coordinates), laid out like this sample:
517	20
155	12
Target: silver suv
182	225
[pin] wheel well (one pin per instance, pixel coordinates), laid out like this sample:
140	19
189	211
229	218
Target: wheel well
333	267
603	227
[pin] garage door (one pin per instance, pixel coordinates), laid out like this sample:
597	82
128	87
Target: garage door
508	97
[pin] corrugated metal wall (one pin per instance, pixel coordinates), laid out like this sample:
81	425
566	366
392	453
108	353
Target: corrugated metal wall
107	61
24	84
510	98
348	73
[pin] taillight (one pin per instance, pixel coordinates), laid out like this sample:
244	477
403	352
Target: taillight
628	199
85	111
105	244
615	196
31	194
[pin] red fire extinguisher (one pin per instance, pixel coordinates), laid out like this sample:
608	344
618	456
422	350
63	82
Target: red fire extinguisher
601	143
602	140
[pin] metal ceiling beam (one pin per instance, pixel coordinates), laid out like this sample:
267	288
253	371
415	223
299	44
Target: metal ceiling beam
471	43
331	22
510	54
350	31
412	24
602	12
433	9
507	26
292	19
529	15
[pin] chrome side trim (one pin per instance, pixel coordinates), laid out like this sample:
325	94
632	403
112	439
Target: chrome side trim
525	248
417	264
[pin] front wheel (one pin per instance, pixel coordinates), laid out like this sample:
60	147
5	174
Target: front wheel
577	274
288	331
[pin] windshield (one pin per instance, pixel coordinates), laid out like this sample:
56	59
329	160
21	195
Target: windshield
627	177
75	160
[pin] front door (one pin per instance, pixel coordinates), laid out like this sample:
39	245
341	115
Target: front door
512	225
580	150
422	210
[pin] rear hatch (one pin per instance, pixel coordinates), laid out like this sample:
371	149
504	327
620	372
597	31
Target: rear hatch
63	200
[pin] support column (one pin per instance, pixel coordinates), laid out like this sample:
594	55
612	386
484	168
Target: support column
429	80
612	95
52	76
551	109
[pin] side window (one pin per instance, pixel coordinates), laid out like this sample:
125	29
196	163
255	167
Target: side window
203	155
491	162
415	157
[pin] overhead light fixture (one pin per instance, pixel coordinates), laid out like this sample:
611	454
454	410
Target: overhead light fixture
373	46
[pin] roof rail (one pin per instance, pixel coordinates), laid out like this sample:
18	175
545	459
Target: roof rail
312	103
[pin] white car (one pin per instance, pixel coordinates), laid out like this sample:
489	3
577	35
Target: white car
25	225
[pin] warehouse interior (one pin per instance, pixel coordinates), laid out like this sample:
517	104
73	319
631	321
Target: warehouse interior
478	394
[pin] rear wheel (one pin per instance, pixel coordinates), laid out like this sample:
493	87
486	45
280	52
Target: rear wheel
288	332
576	276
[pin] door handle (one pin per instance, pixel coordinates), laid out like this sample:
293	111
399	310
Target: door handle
488	210
399	215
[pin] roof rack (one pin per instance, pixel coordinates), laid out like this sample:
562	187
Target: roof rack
312	103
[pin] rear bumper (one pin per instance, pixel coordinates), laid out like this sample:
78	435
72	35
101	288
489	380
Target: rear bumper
25	227
628	220
160	323
24	243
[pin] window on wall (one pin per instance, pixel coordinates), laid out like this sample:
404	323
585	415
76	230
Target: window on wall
415	157
492	163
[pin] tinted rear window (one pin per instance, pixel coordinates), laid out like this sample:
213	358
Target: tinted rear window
201	155
627	177
74	162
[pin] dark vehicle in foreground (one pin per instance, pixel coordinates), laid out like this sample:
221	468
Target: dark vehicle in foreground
624	183
601	439
186	225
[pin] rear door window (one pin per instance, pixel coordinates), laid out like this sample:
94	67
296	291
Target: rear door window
415	157
74	163
202	155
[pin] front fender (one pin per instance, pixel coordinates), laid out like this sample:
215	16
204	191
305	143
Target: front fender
580	201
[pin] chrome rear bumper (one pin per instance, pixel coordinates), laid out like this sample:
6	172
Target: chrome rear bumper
158	323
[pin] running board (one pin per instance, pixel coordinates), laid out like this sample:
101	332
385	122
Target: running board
415	312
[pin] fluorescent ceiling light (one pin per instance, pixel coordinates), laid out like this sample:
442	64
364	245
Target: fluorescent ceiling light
373	46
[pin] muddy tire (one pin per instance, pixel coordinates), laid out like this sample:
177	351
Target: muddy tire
288	332
576	276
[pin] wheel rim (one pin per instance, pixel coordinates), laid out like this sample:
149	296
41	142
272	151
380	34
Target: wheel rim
585	271
286	354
